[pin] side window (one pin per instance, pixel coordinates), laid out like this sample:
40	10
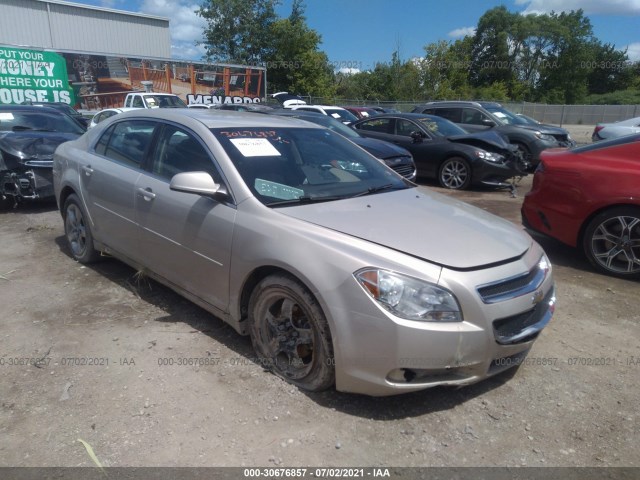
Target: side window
128	141
380	125
451	114
101	146
137	102
179	151
473	117
405	127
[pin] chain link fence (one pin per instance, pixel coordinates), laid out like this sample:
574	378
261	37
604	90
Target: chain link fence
554	114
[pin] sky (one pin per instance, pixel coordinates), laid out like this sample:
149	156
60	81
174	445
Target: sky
359	33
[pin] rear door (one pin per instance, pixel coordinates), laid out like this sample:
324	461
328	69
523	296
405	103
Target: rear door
186	237
108	175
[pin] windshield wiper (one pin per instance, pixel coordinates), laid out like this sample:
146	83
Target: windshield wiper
370	190
304	199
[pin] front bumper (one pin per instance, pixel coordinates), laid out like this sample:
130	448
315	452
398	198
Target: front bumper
495	174
380	354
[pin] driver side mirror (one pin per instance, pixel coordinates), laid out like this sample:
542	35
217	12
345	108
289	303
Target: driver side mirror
199	183
417	136
488	122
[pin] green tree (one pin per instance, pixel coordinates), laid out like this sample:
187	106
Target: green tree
295	62
444	69
238	31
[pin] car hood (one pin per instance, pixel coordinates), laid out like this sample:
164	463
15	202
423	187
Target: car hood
426	225
29	144
485	139
545	129
380	149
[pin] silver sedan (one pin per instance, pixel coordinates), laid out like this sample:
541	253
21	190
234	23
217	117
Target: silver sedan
341	271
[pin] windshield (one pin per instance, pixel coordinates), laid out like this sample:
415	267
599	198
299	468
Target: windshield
164	101
38	121
285	166
441	126
506	117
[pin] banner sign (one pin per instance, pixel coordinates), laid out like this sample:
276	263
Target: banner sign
33	75
200	99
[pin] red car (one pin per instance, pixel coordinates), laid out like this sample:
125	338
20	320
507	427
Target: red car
589	197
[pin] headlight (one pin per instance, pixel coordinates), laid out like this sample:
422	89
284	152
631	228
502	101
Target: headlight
408	297
545	137
489	157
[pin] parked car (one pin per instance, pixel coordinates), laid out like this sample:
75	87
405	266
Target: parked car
479	116
204	106
338	113
380	109
286	99
587	197
604	131
445	152
299	238
64	108
153	100
362	112
245	107
397	158
107	113
28	137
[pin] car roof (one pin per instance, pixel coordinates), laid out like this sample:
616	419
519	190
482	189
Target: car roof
335	107
30	108
408	116
215	118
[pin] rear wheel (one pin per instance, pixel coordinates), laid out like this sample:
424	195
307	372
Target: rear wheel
290	333
612	242
78	231
455	173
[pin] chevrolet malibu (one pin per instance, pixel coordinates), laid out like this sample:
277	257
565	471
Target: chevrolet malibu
341	271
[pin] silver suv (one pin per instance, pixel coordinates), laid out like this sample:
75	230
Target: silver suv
478	116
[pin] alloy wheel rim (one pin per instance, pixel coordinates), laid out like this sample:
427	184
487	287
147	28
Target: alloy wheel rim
615	244
76	230
287	335
454	174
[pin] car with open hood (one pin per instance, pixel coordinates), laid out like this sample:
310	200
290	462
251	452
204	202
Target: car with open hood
443	151
28	137
340	271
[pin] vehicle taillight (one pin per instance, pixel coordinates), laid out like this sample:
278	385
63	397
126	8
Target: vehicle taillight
597	129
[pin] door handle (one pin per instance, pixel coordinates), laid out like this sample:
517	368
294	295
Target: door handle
146	193
87	170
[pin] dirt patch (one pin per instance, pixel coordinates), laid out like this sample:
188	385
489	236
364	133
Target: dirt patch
148	379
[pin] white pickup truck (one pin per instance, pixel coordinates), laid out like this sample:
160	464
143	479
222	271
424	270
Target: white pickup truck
153	100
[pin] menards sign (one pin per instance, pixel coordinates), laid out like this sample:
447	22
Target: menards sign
31	75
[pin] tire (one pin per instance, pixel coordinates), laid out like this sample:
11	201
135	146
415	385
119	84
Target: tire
526	159
290	333
455	174
611	242
78	231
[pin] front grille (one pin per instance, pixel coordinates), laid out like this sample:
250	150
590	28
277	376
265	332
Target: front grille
524	326
406	171
561	137
513	287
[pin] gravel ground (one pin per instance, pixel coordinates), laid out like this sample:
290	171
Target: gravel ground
574	402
